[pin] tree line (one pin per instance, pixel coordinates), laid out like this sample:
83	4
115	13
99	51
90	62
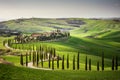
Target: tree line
39	58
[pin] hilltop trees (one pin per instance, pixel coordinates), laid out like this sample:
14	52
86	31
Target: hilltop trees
34	37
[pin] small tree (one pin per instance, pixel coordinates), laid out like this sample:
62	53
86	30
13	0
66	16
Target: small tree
58	61
42	60
90	64
116	63
49	61
54	51
67	61
86	63
102	61
34	55
78	61
113	63
21	59
52	63
37	58
98	66
26	59
30	55
4	42
63	63
74	62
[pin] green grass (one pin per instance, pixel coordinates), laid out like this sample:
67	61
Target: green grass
91	39
8	72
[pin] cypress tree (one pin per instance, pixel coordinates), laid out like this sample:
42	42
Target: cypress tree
49	61
37	58
26	59
52	63
63	63
58	61
21	59
67	61
102	61
74	62
4	43
113	63
86	63
30	55
90	64
116	63
54	51
78	61
34	58
98	66
42	60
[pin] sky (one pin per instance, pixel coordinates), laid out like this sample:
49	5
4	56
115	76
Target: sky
12	9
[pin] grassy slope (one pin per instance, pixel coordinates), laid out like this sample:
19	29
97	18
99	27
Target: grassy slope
18	73
93	47
106	39
36	25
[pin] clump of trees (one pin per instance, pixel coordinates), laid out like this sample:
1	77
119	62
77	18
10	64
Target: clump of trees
58	34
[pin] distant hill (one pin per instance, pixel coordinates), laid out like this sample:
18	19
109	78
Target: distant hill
40	24
95	28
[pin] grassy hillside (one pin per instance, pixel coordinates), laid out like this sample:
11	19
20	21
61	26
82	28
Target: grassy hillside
37	24
91	39
8	72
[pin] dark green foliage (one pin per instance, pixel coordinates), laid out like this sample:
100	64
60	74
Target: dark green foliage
4	42
113	63
67	61
52	63
54	52
58	61
74	62
9	42
78	61
37	58
90	64
102	61
49	61
42	60
34	55
116	63
30	55
26	59
86	63
98	66
21	59
63	63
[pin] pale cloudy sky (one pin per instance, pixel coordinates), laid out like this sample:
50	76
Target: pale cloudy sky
10	9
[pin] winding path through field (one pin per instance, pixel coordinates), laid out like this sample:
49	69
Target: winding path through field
30	64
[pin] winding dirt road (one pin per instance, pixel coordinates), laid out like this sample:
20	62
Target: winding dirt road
30	64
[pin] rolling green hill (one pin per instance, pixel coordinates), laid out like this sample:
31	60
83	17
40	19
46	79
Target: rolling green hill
89	37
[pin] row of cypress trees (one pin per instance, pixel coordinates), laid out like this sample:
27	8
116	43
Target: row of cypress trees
37	57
